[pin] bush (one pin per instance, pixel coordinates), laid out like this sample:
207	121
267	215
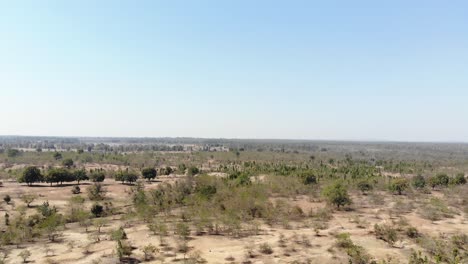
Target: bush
337	194
76	189
412	232
265	248
364	186
356	253
398	185
97	210
192	171
67	163
119	234
439	180
459	179
386	233
418	182
96	192
7	199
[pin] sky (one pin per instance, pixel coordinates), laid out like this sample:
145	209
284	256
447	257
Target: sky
341	70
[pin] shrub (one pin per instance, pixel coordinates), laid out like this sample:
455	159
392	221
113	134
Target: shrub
28	199
418	182
192	171
309	179
67	163
76	189
7	199
398	185
337	194
97	210
439	180
459	179
149	251
265	248
356	253
412	232
386	233
96	192
25	254
364	186
118	234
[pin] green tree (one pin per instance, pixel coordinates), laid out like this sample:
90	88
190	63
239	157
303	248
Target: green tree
337	194
97	176
58	175
68	163
80	175
149	173
30	175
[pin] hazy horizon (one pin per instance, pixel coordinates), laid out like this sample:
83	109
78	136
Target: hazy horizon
361	71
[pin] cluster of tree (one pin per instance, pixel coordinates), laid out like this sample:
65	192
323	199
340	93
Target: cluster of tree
127	176
33	175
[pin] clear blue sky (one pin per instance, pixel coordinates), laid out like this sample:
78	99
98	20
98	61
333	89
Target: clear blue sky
377	70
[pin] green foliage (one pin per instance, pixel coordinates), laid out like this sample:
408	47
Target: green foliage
459	179
80	175
149	251
97	210
365	186
123	249
418	182
68	163
96	192
356	253
45	210
58	175
337	194
398	185
192	171
386	233
118	234
439	180
126	176
97	176
30	175
12	153
149	173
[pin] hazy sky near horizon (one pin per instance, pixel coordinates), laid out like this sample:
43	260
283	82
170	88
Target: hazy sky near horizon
355	70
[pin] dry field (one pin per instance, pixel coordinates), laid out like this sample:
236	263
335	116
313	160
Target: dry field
298	241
